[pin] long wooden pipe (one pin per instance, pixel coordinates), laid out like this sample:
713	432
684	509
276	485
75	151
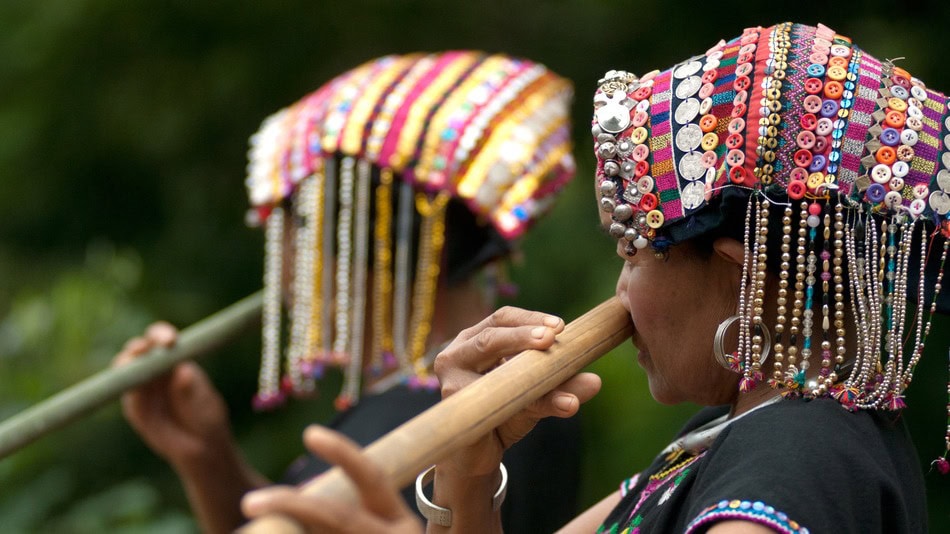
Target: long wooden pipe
475	410
78	400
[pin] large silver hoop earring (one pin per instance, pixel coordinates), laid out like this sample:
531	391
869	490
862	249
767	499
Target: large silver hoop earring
719	351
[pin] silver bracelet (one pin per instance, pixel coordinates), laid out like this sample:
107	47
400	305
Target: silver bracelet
443	516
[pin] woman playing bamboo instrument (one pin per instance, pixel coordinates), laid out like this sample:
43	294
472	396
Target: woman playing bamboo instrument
385	195
780	204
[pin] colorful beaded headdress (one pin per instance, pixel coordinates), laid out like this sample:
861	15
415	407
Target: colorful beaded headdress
355	163
852	151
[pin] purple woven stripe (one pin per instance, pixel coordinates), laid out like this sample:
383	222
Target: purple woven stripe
793	90
869	82
924	152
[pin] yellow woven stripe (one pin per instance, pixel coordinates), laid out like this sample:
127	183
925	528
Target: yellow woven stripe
491	152
459	98
363	107
419	110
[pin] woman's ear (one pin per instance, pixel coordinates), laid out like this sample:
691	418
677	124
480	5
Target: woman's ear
729	249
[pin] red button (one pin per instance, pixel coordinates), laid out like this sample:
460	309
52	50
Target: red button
738	111
802	157
710	75
734	141
744	58
641	169
901	81
813	86
642	93
796	189
821	144
737	175
648	202
741	83
809	121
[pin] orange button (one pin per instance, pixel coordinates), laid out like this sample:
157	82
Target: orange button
834	89
894	119
808	121
708	123
641	169
886	155
838	61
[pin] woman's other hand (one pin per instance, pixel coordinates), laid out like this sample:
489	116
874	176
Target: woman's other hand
381	507
180	415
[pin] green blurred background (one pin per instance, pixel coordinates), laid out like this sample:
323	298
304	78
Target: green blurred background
123	133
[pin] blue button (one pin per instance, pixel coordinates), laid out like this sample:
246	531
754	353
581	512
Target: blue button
816	71
818	163
890	137
876	192
829	108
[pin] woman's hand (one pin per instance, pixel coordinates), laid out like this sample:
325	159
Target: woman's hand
381	508
488	344
179	415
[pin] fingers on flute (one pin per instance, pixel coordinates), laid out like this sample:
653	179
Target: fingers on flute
567	398
377	490
162	334
158	334
504	333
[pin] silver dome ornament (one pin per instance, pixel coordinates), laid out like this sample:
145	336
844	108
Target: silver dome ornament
611	168
613	112
625	147
627	169
631	234
608	188
608	205
623	212
606	150
617	230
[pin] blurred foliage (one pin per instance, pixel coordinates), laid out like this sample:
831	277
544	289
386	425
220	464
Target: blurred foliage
123	132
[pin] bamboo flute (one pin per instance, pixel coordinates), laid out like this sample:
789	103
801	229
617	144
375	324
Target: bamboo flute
475	410
107	385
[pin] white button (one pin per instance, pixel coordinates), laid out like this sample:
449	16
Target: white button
919	93
909	137
881	173
892	199
900	169
917	206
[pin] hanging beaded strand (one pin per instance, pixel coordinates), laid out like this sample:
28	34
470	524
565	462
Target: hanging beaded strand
354	367
752	373
402	279
302	308
431	241
782	301
315	334
328	268
344	261
382	357
268	383
741	357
